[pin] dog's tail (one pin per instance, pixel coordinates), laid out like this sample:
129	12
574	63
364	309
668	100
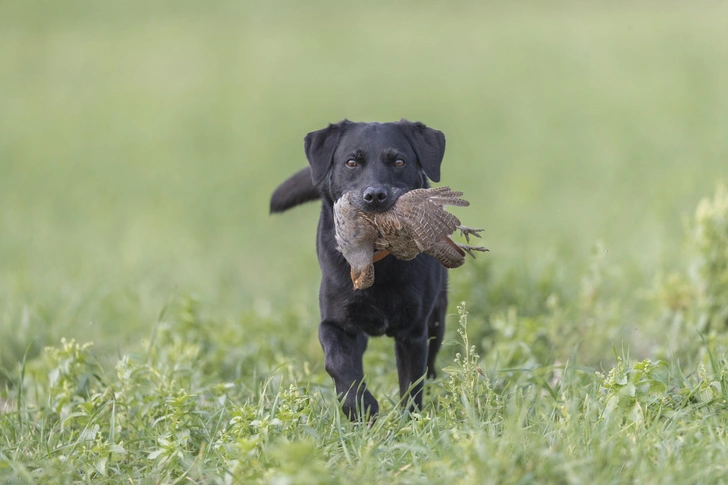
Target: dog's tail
298	189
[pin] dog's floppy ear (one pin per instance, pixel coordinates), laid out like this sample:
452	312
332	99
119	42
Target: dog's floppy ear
429	145
319	146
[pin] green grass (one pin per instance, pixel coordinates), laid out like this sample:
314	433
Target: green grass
139	144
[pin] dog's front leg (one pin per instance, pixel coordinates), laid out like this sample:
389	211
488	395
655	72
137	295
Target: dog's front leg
343	352
411	352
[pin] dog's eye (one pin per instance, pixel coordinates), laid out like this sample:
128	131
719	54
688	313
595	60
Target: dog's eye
351	163
399	163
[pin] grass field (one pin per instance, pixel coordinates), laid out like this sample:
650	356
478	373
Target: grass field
139	144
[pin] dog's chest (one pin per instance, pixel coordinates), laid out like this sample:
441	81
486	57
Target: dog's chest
383	309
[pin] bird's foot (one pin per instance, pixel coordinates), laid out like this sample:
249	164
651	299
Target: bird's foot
466	232
469	249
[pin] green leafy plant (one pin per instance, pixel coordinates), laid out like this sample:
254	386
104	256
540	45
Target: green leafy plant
696	300
709	267
631	392
468	387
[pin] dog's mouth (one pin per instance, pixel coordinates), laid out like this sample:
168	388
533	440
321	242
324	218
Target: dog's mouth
357	200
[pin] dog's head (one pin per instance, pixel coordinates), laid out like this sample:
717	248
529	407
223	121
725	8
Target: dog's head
376	162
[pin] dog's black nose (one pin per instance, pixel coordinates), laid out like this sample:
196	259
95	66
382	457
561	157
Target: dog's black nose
375	195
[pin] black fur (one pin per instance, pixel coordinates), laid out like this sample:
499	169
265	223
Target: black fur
298	189
409	298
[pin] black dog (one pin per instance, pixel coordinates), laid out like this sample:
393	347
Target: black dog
377	162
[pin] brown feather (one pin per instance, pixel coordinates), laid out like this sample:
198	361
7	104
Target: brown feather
417	223
452	243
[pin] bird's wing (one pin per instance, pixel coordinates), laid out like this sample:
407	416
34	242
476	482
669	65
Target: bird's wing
438	195
395	235
426	216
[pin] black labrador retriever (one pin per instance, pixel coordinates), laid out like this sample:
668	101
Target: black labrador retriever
377	162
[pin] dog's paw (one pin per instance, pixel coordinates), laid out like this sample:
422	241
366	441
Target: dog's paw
361	408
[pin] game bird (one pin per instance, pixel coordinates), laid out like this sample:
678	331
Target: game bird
417	223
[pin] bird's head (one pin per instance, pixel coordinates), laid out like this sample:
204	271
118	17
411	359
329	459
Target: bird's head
362	277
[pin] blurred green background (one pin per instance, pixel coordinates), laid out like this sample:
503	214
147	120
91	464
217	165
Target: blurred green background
140	142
